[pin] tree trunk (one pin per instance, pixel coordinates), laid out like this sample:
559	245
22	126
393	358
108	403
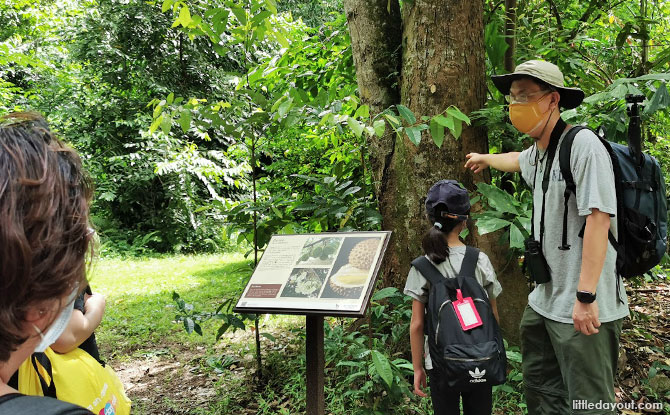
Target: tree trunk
375	29
443	64
510	34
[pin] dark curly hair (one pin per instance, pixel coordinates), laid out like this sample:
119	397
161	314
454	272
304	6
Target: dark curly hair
44	222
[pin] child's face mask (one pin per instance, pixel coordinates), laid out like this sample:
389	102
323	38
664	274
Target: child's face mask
527	116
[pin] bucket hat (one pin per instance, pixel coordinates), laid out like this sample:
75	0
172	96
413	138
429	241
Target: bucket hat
543	71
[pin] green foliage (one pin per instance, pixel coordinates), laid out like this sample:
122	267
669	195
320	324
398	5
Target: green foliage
336	205
452	119
369	365
192	319
504	211
508	397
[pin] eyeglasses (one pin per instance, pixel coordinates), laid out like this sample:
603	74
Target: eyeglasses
523	98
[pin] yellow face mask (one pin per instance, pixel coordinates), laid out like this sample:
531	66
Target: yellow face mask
527	116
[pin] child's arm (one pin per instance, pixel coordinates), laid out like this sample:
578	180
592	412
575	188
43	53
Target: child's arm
416	342
81	325
494	308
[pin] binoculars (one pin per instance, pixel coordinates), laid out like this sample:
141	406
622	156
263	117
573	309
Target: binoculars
535	262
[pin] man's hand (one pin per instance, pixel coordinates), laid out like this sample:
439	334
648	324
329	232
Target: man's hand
420	382
476	162
585	317
504	162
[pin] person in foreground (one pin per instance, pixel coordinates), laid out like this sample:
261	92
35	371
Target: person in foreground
44	241
447	210
569	339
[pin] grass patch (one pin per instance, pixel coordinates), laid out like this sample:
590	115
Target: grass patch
140	310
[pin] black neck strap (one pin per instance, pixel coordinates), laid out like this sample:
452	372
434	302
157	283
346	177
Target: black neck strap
549	158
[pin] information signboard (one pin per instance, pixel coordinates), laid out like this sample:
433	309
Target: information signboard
316	274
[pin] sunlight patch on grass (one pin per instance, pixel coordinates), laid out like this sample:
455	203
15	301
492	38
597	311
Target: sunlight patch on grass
122	277
140	311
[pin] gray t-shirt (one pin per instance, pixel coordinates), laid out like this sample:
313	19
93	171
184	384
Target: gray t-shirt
418	287
594	179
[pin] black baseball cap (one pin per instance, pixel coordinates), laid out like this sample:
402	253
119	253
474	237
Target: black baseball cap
452	195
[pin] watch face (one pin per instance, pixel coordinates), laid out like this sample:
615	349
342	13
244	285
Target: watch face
585	297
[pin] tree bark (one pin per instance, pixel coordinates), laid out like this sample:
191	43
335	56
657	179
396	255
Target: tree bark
375	29
443	64
510	34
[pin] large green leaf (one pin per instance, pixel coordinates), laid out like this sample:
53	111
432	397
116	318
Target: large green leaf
241	14
444	121
456	113
258	19
393	120
185	120
498	199
437	132
659	101
458	128
355	126
488	224
515	238
362	112
495	45
383	367
380	127
167	4
385	293
414	135
406	113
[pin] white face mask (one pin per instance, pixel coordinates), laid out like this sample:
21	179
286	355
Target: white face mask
57	327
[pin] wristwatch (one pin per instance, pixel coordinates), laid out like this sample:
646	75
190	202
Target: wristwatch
586	297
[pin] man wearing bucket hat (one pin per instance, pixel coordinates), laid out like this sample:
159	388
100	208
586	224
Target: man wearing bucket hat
569	340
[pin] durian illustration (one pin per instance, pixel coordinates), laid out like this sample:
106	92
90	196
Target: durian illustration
319	251
364	253
349	280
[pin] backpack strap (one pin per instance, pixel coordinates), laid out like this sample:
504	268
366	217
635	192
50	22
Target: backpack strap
428	270
469	264
48	389
566	172
17	404
570	187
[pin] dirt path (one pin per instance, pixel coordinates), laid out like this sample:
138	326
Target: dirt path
170	380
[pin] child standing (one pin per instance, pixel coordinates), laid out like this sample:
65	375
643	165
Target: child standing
447	209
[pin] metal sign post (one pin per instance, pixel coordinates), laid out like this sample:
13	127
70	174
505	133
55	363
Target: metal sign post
315	365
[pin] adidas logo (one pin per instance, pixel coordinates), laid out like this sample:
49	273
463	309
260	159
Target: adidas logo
477	375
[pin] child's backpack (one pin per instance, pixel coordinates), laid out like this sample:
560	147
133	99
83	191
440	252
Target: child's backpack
74	377
464	358
642	211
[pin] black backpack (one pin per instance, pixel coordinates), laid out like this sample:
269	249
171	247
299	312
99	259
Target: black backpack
465	359
642	211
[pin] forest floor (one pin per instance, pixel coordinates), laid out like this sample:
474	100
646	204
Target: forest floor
167	371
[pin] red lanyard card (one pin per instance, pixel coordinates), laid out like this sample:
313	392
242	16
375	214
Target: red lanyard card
466	312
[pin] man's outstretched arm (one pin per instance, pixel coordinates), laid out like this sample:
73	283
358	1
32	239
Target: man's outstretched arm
505	162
